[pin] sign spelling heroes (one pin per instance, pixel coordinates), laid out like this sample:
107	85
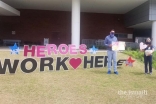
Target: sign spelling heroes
47	60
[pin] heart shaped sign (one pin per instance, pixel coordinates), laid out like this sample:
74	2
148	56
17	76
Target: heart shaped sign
75	62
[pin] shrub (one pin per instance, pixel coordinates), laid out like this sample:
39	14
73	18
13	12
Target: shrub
140	56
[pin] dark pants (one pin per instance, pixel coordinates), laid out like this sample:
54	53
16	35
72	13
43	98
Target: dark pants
148	60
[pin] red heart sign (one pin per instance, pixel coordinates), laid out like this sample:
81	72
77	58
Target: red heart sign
75	62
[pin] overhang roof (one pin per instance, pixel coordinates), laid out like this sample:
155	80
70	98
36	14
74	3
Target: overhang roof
96	6
93	6
7	10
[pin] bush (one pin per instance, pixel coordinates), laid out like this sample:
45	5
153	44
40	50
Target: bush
140	55
130	48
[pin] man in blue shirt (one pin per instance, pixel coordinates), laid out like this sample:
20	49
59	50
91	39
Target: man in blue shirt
112	55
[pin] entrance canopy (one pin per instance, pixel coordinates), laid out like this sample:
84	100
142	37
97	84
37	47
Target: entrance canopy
95	6
7	10
137	13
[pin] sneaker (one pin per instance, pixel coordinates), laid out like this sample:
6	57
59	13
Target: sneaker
150	73
116	73
109	72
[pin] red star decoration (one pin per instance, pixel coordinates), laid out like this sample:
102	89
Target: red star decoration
129	61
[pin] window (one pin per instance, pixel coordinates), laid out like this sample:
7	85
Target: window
124	36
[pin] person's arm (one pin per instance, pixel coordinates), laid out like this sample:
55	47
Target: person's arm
116	39
142	50
106	42
152	50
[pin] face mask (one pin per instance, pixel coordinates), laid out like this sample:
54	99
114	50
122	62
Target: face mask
148	43
111	35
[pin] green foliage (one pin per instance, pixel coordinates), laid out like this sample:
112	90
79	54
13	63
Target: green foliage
137	54
130	49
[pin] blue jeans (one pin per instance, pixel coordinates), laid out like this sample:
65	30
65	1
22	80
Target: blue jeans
112	55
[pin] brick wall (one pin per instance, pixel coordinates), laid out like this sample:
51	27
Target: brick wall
35	25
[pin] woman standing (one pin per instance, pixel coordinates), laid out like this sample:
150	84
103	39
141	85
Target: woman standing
148	56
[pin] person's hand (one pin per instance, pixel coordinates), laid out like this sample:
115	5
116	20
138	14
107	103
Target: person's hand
110	45
149	54
141	50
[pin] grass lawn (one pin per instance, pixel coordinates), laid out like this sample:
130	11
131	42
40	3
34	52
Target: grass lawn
80	86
